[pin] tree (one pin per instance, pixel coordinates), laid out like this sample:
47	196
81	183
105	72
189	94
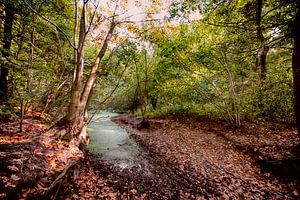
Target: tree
75	121
263	51
81	91
6	51
85	17
277	19
296	64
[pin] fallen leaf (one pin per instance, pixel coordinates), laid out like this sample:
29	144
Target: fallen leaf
13	168
15	177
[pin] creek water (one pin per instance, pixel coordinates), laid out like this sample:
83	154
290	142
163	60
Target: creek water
113	143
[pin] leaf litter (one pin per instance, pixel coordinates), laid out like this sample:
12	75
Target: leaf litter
197	158
187	158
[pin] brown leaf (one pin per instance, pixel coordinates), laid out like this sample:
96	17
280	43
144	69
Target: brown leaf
14	177
13	168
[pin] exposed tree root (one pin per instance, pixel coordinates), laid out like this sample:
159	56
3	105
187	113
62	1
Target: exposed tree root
55	185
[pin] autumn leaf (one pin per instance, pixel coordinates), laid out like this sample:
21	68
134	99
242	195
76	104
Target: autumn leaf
15	177
13	168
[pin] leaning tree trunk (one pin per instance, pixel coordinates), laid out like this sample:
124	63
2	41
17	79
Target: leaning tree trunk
7	38
296	65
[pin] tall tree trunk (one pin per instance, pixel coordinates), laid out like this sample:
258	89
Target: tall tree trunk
31	53
7	39
261	61
296	65
76	116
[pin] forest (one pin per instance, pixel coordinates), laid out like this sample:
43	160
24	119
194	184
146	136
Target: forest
150	99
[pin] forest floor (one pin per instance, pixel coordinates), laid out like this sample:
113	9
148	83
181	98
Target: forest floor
31	160
188	158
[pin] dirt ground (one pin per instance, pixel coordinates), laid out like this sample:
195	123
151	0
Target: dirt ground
198	158
187	158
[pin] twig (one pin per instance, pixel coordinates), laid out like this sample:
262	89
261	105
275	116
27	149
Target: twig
92	19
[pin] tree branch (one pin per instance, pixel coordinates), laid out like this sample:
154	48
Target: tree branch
52	23
92	19
111	93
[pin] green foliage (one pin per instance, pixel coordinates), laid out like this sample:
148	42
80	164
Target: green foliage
7	114
206	67
204	70
272	98
40	60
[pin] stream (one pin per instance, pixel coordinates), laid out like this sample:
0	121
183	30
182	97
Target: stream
132	166
113	143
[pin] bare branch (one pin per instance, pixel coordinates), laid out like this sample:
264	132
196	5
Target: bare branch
111	54
112	16
271	43
52	23
269	11
92	19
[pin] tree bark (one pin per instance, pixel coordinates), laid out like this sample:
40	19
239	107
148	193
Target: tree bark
77	117
296	66
261	61
31	53
7	39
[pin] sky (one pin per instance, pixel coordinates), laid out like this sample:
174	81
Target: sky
131	10
136	8
135	11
